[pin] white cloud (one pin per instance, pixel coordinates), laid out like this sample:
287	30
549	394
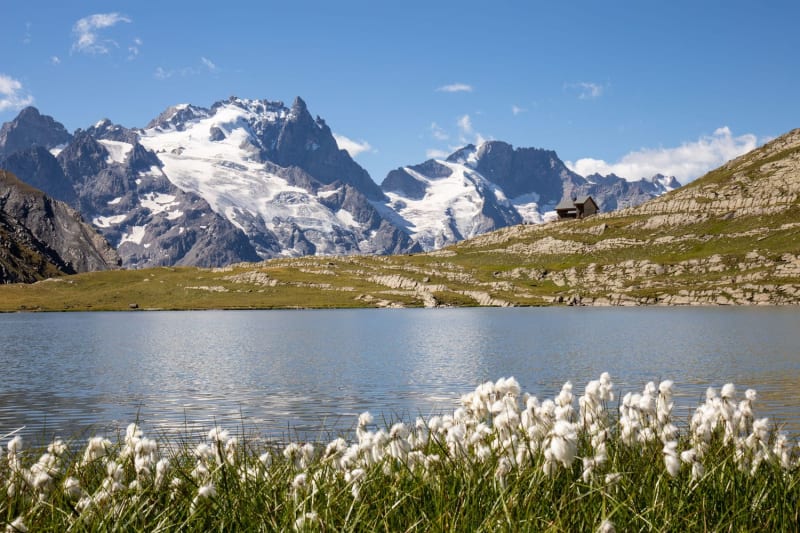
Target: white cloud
207	66
87	38
162	74
516	110
465	125
467	132
133	49
354	148
586	90
686	162
455	88
55	60
28	38
434	153
438	133
12	94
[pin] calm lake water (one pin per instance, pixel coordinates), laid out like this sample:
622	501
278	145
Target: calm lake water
306	374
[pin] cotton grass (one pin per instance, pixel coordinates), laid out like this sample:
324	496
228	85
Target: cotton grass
503	460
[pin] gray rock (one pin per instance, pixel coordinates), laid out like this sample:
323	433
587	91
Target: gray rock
37	167
53	228
30	128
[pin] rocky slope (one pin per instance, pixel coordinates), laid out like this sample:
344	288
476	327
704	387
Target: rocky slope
41	237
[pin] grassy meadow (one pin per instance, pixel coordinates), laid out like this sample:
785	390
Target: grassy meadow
503	461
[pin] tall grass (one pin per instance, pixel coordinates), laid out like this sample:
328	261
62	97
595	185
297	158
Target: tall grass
501	462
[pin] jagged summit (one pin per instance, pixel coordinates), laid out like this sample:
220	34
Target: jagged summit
31	128
299	107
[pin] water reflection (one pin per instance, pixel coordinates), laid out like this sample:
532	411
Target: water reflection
294	372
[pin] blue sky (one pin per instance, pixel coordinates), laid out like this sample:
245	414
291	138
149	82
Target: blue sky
628	86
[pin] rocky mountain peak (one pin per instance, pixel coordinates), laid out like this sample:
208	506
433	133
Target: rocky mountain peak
299	108
462	155
521	171
176	117
84	156
107	130
31	128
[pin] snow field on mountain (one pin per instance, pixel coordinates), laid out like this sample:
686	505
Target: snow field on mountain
161	203
107	222
449	211
117	151
136	235
527	206
229	174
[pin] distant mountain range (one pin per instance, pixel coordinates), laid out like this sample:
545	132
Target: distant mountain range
246	180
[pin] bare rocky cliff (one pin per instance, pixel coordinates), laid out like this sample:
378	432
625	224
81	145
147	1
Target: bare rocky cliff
43	237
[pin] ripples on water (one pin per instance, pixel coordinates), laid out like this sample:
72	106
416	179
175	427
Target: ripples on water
309	373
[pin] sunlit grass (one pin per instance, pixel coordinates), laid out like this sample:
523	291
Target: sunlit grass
503	461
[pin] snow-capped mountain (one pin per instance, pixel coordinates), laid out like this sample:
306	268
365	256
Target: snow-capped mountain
276	174
493	185
442	202
240	181
118	186
245	180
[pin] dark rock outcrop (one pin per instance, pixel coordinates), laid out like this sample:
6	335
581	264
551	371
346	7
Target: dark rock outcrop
41	170
30	128
304	142
524	170
48	235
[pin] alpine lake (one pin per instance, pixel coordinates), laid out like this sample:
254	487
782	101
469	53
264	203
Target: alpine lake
308	374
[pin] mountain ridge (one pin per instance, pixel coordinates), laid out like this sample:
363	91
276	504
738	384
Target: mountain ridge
245	180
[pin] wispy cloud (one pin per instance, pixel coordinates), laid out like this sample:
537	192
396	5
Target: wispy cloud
455	88
55	60
87	36
434	153
464	133
516	110
686	162
205	66
354	148
467	133
12	95
586	90
209	64
438	133
133	49
28	38
465	125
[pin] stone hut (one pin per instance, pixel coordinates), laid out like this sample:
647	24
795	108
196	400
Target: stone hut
577	207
